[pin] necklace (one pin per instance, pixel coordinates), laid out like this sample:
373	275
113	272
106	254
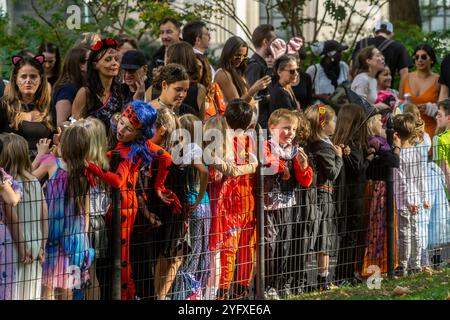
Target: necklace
163	104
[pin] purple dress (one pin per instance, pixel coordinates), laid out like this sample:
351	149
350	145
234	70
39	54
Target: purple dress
7	267
67	250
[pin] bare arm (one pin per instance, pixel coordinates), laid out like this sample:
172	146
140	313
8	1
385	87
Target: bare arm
63	111
228	89
10	197
443	94
79	104
148	94
403	75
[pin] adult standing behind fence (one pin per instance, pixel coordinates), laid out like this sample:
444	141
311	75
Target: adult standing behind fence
101	97
286	74
257	67
169	30
183	54
395	53
52	63
423	87
330	72
25	109
66	87
231	75
371	61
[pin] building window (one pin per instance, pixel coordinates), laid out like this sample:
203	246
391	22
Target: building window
435	14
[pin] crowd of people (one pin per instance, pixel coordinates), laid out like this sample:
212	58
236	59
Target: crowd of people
187	169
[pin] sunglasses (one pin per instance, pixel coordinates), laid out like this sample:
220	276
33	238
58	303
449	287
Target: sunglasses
293	71
421	57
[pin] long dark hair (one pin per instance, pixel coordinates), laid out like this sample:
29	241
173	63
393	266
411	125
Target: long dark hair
71	71
350	126
232	45
52	48
281	63
93	82
183	53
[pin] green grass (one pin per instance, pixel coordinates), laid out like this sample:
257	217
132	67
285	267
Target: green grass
422	287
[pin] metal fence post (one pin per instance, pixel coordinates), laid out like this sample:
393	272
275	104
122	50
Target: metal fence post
116	278
390	206
260	257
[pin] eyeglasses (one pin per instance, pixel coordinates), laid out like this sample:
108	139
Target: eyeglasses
293	71
421	57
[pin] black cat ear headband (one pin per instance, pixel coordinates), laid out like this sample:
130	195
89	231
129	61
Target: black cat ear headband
16	59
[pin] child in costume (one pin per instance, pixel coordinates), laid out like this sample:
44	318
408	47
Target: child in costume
215	131
381	159
67	195
32	215
134	131
411	191
439	227
193	274
236	208
9	196
327	163
289	168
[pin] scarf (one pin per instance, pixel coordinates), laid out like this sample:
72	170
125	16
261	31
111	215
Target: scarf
331	70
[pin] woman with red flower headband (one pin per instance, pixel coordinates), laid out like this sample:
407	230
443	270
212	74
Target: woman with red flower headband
134	131
101	97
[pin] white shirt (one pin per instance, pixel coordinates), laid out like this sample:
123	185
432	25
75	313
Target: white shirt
410	183
321	83
365	86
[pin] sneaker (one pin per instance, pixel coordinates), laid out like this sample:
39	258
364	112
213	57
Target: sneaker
271	294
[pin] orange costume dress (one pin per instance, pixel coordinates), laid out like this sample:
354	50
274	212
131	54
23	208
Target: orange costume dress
125	179
430	95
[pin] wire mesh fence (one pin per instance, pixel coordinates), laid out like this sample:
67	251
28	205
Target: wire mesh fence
251	236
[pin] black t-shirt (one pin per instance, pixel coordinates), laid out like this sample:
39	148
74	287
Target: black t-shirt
303	90
395	55
191	97
257	69
280	98
445	71
158	57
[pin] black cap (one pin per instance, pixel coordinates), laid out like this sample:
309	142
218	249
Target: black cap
333	45
133	60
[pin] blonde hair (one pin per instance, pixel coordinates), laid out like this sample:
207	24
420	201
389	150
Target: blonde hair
282	114
14	156
168	120
419	123
98	143
317	116
218	122
303	128
371	124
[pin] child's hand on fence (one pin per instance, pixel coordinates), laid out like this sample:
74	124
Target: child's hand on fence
286	174
152	218
191	208
302	158
41	256
370	154
43	146
413	208
427	205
